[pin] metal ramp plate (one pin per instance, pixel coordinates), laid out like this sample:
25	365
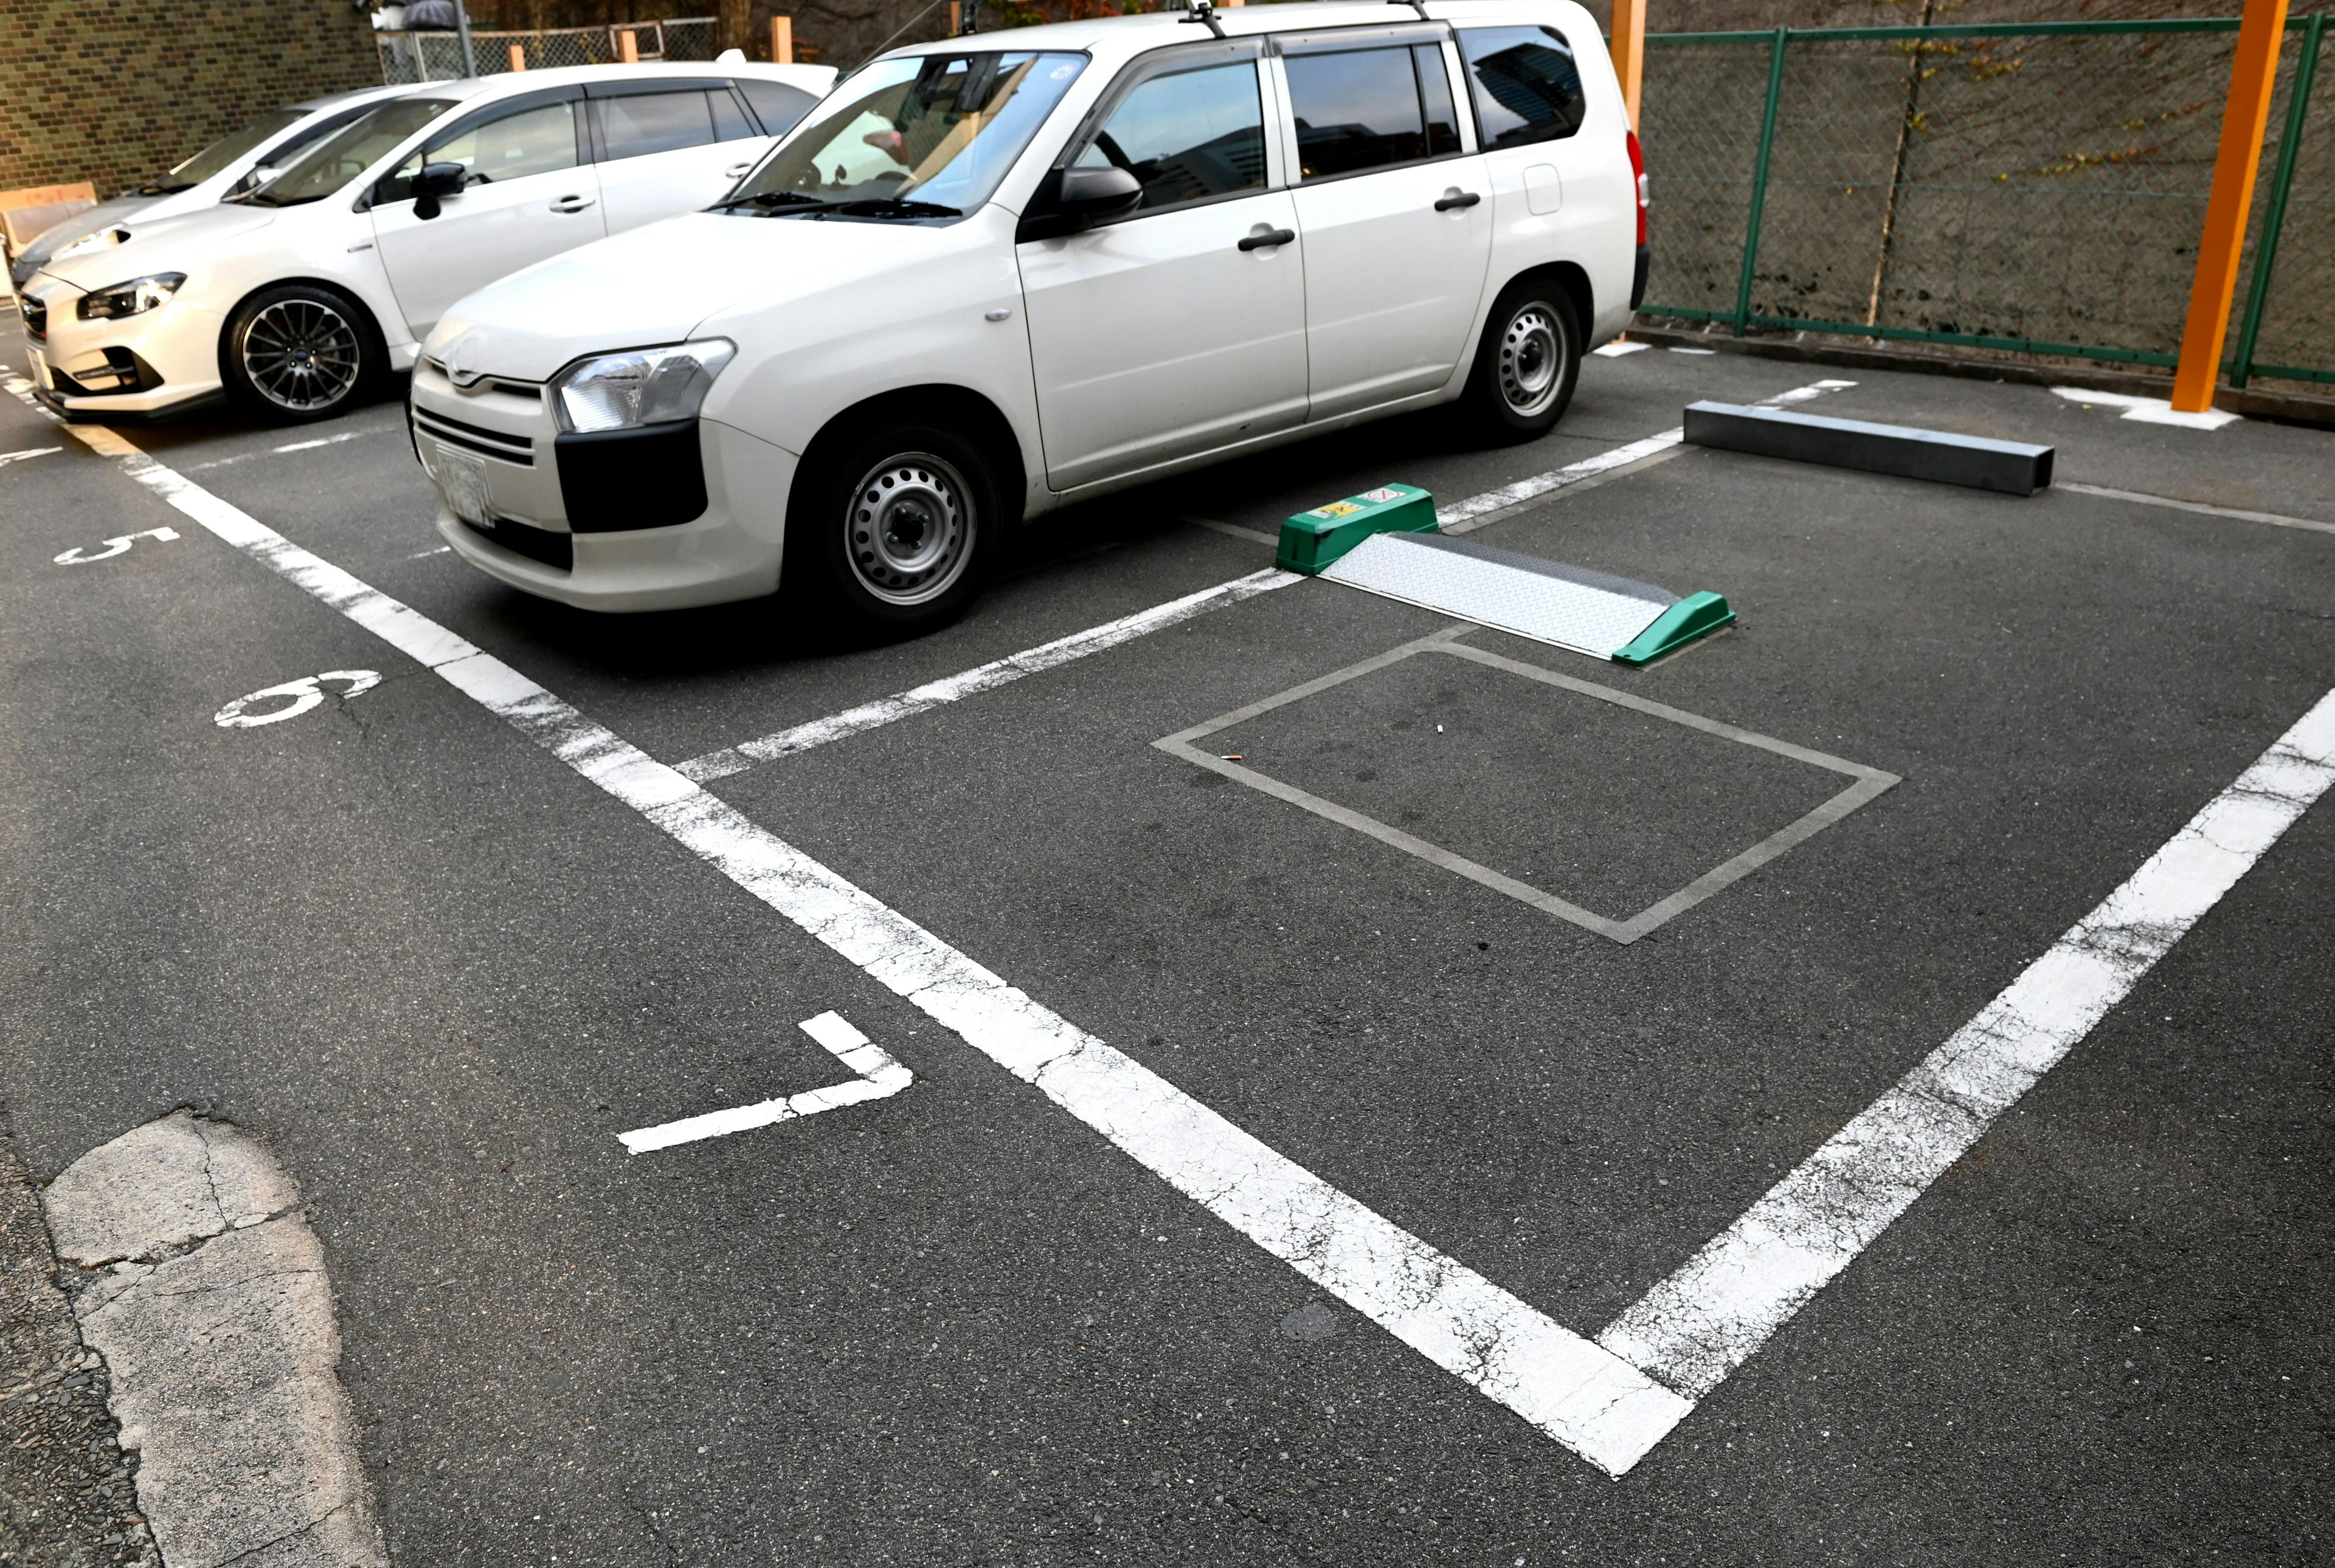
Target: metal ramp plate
1567	607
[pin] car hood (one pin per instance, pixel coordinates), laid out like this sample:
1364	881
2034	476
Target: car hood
655	283
112	214
163	244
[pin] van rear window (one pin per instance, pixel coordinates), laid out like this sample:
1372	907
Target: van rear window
1525	85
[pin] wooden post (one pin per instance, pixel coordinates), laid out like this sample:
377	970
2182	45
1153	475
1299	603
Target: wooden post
628	48
782	41
519	56
2252	73
956	18
1630	51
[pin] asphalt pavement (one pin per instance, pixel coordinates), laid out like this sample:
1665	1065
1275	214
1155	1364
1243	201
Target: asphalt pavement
437	973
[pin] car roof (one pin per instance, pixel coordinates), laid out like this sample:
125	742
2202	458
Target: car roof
342	99
1127	33
810	77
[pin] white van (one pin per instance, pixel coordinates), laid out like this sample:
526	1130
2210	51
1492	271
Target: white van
1002	272
299	295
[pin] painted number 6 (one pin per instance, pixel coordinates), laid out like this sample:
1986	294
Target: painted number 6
298	696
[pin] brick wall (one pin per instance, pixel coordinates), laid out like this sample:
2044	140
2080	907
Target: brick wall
115	93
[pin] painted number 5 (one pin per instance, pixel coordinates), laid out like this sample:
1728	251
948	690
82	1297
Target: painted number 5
297	697
73	557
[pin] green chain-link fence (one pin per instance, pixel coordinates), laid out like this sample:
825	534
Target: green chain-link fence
2037	188
437	56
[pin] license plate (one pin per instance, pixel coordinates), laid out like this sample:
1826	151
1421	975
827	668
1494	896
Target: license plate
462	481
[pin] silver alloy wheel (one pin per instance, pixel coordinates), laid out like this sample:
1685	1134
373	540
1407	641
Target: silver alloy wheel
1532	360
301	354
908	528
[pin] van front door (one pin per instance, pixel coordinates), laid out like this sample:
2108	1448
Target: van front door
529	196
1179	327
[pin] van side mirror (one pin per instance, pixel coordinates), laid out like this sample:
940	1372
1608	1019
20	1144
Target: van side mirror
436	180
1091	195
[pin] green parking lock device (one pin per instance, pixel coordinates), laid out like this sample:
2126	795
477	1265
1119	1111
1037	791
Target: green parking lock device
1312	540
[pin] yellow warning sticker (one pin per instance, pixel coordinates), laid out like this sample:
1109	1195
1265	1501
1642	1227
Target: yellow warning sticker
1335	509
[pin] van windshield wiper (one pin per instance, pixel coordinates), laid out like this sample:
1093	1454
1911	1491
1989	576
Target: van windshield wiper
893	207
766	199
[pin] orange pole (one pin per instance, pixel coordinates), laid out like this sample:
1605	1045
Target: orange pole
628	48
519	56
1630	51
2252	74
782	41
956	18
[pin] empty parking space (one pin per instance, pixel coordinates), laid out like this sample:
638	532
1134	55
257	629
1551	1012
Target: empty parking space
1237	1085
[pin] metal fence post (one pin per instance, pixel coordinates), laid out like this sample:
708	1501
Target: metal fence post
2298	104
1759	180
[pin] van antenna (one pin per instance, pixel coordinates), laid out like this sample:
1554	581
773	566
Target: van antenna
1418	5
1204	12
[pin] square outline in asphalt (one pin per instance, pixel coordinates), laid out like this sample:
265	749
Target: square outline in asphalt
1870	782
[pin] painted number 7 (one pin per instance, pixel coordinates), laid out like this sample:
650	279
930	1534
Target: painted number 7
73	557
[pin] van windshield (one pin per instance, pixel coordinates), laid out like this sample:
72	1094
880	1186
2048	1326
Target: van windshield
338	159
923	135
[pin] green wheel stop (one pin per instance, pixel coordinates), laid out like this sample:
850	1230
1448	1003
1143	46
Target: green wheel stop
1312	540
1386	542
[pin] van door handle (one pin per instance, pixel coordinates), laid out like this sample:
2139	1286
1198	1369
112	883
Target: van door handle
1271	237
572	203
1457	199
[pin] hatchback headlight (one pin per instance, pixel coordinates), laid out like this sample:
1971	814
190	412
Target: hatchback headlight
647	386
136	297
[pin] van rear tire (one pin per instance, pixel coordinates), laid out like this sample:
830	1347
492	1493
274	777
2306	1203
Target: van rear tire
1526	365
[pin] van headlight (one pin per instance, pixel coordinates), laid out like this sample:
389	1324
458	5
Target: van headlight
647	386
136	297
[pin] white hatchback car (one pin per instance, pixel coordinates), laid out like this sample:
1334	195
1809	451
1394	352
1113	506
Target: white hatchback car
992	275
297	296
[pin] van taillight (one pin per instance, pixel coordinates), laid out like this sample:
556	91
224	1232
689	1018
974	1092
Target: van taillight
1638	172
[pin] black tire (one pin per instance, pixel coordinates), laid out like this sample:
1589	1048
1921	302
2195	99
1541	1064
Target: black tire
300	352
1526	366
892	528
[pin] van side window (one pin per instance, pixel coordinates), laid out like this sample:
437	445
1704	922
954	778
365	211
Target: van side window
1525	85
640	123
1188	136
1357	109
1435	89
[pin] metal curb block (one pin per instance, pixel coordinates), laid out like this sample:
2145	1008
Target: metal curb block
1564	606
2011	468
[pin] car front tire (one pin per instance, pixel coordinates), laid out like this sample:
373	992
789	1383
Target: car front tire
301	351
1526	365
892	529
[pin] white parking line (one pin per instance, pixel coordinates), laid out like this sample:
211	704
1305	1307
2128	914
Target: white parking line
1703	1322
879	1078
981	678
1575	1391
2274	518
308	446
1463	517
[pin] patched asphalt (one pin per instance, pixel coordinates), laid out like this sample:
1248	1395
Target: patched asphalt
437	972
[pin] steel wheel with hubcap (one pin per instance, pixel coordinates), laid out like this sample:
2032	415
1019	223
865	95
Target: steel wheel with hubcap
300	352
1527	363
891	524
910	524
